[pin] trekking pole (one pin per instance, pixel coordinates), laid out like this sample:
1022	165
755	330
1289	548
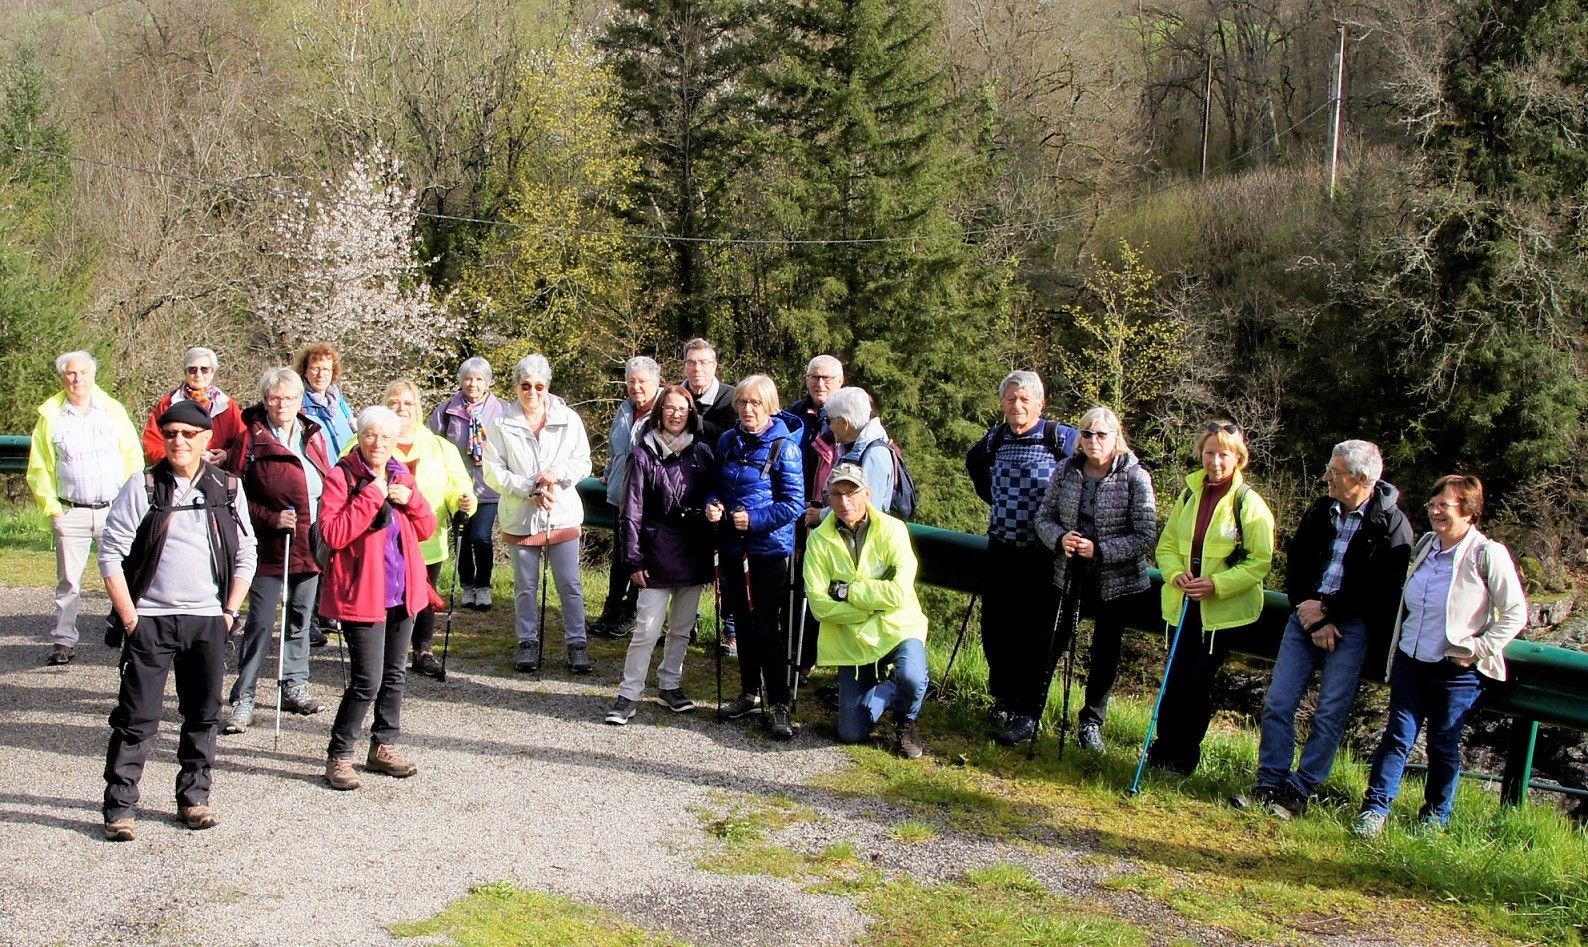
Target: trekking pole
1062	618
281	649
452	593
797	639
1152	724
942	688
749	614
1069	668
540	625
716	588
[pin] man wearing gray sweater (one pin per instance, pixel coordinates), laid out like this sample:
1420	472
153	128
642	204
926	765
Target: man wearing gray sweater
178	555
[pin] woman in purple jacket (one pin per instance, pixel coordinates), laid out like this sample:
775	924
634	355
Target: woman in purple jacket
463	421
664	543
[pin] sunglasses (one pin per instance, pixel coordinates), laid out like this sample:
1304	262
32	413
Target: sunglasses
1213	427
531	386
1095	435
172	434
199	370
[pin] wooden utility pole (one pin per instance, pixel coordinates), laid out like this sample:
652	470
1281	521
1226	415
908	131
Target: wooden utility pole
1207	112
1334	119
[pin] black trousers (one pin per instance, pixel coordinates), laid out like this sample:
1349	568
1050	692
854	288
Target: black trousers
195	646
623	596
1019	606
378	655
1102	658
1188	697
763	637
425	621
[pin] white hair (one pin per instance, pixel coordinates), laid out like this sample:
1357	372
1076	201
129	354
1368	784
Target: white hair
378	415
825	361
642	365
475	365
1028	382
1362	460
277	379
532	365
850	405
65	359
197	350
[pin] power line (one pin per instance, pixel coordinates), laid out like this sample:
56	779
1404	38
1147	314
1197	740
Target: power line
1045	223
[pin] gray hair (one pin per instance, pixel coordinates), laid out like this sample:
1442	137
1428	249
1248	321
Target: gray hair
378	415
1362	460
475	365
532	365
824	361
197	350
277	379
699	343
642	365
851	406
65	359
1102	416
1028	382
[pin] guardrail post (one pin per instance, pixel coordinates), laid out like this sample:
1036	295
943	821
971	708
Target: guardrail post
1518	761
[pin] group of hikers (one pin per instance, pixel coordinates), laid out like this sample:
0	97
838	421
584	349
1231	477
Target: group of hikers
792	517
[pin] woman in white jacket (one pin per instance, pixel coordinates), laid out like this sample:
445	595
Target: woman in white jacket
534	456
1462	604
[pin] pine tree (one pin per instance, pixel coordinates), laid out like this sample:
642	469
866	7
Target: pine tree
680	66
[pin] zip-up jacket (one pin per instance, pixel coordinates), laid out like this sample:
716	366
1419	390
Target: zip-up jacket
878	613
662	524
1125	522
1237	590
515	457
273	478
1373	570
761	474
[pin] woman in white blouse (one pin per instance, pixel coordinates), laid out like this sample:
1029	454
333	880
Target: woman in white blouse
1462	603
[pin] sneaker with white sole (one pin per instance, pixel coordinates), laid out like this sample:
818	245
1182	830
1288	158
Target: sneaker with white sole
622	711
1368	824
482	599
676	700
241	717
746	704
470	597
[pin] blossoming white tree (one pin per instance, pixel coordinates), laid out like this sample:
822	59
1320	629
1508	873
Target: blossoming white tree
353	278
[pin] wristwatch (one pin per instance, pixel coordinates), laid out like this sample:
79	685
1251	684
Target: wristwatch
233	613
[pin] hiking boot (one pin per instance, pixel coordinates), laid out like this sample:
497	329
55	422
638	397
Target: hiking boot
1287	804
778	723
745	705
1259	798
597	627
729	647
120	830
579	659
339	774
317	636
62	654
1368	824
528	657
242	715
622	625
1021	728
425	663
907	740
622	711
295	699
384	758
674	699
1090	738
197	818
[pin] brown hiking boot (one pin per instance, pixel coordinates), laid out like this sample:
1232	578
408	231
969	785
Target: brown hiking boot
907	740
62	654
120	830
384	758
339	774
197	817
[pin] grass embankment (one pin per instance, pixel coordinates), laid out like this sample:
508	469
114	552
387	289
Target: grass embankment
1495	873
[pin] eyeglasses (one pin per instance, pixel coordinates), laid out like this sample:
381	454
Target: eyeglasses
749	403
200	370
172	434
531	386
1213	427
675	409
1434	506
700	361
824	379
1096	435
283	399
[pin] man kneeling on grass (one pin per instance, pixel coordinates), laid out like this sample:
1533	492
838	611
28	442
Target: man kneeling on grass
860	578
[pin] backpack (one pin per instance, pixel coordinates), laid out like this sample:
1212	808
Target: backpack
1058	438
318	547
902	504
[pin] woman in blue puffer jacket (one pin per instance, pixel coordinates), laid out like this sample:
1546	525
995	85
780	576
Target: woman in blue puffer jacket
758	494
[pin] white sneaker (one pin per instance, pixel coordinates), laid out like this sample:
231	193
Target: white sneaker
470	599
482	597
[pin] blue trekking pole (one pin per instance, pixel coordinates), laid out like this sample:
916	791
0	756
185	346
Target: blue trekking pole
1152	725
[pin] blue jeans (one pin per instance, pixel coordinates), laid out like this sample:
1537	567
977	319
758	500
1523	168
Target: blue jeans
1442	694
862	699
1299	659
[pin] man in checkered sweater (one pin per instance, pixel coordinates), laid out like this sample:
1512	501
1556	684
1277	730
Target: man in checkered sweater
1010	467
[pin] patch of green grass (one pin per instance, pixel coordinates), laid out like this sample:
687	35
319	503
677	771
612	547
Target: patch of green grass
741	827
27	550
500	915
908	832
998	906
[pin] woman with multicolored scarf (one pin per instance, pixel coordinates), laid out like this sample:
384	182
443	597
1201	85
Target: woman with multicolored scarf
199	367
321	369
463	421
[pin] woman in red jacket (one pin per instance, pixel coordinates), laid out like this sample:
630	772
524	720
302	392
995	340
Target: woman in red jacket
373	518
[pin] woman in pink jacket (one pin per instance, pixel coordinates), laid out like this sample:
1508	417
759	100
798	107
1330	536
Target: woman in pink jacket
373	517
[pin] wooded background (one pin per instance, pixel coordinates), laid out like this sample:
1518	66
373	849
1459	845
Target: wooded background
936	191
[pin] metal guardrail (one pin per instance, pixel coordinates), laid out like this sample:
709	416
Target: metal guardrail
1546	685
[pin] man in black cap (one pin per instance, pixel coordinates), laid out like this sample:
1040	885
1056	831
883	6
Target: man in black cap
178	554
